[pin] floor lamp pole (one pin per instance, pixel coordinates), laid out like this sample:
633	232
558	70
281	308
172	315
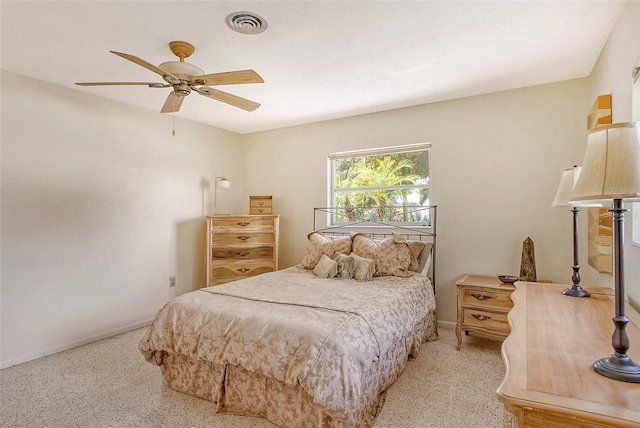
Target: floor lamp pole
619	365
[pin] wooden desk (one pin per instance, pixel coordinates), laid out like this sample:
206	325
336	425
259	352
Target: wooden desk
554	340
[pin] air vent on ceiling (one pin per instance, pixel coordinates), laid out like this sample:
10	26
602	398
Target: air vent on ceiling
246	23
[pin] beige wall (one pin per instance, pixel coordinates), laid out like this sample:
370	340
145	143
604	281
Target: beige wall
100	205
496	163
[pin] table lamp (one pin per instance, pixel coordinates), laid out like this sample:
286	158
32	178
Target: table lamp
611	171
568	180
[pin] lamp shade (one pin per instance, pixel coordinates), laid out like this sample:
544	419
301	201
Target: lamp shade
223	183
568	180
611	166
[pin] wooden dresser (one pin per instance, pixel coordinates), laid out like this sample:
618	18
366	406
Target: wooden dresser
553	343
483	305
239	246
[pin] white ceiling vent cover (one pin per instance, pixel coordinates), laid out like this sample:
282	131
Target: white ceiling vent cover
246	23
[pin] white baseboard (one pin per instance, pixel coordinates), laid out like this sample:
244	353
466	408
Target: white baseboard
447	324
75	343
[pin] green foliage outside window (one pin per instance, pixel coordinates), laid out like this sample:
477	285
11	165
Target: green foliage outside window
392	183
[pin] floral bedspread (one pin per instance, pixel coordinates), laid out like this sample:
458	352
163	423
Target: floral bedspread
323	335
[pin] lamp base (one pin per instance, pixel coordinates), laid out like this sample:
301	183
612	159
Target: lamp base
576	290
619	367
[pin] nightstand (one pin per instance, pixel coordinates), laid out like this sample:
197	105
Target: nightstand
483	305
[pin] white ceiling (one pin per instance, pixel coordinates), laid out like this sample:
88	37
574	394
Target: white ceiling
319	59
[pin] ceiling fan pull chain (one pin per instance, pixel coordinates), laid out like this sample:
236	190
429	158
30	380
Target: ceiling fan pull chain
173	118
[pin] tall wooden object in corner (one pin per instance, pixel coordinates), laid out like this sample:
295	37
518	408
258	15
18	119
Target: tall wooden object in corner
600	249
600	113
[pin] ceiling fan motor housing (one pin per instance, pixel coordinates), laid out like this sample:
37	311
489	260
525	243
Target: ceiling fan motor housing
182	89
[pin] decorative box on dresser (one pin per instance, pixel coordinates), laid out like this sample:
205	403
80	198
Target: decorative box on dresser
554	341
240	246
483	305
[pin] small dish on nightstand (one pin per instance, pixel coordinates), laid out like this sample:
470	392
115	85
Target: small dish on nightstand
508	279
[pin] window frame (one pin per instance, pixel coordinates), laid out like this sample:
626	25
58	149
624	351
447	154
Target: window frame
380	151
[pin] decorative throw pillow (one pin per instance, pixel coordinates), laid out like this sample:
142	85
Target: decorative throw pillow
320	245
326	268
416	248
345	265
392	255
363	268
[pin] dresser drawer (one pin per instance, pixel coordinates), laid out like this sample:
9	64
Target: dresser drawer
500	300
493	321
237	270
243	223
260	205
239	238
241	253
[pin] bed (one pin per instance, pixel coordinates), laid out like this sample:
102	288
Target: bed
303	346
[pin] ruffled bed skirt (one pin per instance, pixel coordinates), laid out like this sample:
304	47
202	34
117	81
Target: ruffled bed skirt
234	390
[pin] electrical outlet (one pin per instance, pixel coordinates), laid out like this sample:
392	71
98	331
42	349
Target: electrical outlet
172	281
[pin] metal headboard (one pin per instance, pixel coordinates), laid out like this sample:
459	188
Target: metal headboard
414	223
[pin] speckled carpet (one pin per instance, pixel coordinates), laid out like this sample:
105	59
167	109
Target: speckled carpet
108	384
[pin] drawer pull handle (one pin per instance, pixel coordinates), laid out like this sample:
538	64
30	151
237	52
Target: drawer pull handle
243	237
260	210
481	317
480	296
261	203
242	253
243	269
243	223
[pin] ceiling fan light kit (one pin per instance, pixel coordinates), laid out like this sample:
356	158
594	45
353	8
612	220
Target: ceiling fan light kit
185	77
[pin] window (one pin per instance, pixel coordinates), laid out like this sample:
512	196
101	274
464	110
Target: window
390	184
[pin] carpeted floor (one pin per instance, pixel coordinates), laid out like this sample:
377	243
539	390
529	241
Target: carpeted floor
108	384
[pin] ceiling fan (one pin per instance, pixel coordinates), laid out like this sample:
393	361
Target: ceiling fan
184	77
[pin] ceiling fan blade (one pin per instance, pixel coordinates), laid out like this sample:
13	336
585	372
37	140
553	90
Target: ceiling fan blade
228	78
146	65
149	84
172	104
225	97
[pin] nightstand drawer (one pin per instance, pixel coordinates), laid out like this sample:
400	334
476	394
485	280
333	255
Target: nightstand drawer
493	321
489	299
